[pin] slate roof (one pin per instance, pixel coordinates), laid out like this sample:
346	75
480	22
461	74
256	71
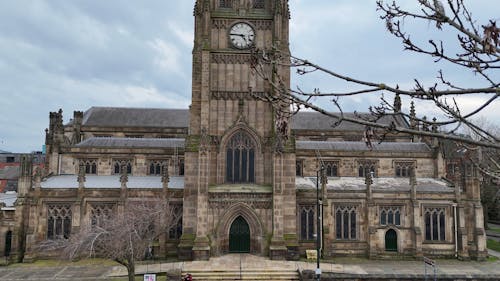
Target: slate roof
9	198
131	142
3	151
311	120
361	146
136	117
179	118
379	184
93	181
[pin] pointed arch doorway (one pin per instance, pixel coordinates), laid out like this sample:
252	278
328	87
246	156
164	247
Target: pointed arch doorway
239	236
391	241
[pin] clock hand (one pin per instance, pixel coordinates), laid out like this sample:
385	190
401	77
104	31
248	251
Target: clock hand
238	34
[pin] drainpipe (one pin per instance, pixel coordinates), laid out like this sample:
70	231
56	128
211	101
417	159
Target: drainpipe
456	230
59	160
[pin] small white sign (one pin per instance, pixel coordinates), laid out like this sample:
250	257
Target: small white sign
318	271
149	277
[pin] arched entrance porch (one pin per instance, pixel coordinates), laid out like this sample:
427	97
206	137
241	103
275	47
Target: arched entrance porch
239	230
391	241
239	236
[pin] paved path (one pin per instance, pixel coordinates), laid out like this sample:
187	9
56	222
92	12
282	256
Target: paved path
353	267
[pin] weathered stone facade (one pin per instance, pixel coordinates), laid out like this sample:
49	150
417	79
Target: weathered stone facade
225	162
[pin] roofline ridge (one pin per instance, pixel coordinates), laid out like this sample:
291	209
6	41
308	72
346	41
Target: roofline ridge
128	107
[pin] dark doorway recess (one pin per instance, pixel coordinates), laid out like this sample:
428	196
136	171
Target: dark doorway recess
391	241
239	236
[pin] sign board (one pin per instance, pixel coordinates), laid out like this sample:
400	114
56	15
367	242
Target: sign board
149	277
311	254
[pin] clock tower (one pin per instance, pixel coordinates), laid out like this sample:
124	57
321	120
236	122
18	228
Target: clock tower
239	191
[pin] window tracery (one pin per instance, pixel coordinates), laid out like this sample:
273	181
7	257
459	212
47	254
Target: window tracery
59	221
156	167
346	218
307	213
258	4
225	3
100	213
332	168
403	168
390	215
435	224
90	166
367	166
118	164
240	159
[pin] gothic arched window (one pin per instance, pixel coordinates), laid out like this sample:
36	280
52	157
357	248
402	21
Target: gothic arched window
117	166
390	215
226	3
346	222
332	168
58	221
307	222
258	4
240	159
91	167
435	225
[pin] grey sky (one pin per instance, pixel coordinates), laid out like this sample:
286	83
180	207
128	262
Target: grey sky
82	53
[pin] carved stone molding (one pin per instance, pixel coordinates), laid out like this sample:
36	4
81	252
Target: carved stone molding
257	24
231	95
231	58
226	199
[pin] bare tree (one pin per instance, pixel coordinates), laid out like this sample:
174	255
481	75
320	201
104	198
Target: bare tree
478	52
485	159
121	236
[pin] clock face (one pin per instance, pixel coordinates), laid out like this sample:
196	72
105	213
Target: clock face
242	35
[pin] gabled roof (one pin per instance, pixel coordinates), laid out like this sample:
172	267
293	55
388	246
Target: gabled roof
136	117
311	120
179	118
361	146
131	142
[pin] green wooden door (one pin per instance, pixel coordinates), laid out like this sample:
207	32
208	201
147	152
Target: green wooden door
239	236
391	240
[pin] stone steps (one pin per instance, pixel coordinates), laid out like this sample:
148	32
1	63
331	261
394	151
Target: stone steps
269	275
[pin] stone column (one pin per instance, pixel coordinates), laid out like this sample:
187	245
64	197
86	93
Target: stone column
123	181
165	196
201	245
417	218
480	252
327	216
370	217
463	246
23	208
277	248
81	179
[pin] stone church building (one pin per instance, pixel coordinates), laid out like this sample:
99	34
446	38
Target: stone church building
239	185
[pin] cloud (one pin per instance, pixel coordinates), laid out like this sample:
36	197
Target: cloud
167	55
183	33
77	54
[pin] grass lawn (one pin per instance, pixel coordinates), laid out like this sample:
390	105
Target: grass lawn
494	229
492	258
494	245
